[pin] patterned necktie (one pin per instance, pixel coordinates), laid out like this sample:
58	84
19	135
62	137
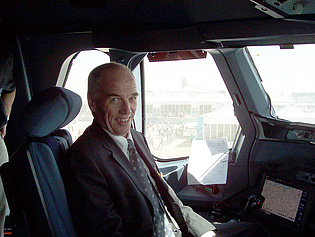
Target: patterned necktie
138	167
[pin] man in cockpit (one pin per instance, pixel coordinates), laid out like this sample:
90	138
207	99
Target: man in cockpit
112	182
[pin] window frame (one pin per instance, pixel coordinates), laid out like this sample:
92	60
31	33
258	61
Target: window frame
144	119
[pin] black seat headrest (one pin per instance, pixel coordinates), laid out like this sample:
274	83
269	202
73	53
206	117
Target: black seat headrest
49	110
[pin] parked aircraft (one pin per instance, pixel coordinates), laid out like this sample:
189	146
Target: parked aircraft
226	101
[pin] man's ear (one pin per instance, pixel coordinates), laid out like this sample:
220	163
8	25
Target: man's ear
92	103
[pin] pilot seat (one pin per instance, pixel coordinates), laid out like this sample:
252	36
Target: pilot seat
31	179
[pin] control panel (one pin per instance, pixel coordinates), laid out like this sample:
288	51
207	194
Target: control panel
305	176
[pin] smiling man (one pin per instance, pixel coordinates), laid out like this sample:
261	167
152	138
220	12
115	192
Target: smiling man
112	98
114	188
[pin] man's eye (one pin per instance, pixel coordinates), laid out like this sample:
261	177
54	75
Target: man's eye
114	99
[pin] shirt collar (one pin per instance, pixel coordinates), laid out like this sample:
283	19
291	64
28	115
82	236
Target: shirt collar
121	141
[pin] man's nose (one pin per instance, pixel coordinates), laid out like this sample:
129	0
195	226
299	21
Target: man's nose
125	108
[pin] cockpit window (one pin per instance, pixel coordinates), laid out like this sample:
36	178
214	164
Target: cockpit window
80	68
186	100
288	78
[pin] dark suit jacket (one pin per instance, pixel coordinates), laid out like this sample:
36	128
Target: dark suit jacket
104	194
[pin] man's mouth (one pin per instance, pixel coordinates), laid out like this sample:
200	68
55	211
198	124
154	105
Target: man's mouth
123	120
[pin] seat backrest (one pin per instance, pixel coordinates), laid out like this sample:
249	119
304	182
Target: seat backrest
32	181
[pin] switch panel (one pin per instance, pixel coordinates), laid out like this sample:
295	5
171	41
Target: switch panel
305	176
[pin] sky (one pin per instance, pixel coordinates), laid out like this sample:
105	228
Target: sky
82	65
289	70
172	73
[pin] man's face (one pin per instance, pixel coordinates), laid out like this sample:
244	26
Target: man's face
116	105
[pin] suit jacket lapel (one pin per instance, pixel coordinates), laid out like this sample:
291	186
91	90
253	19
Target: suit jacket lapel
117	154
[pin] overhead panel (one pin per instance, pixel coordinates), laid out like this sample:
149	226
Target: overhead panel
285	8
